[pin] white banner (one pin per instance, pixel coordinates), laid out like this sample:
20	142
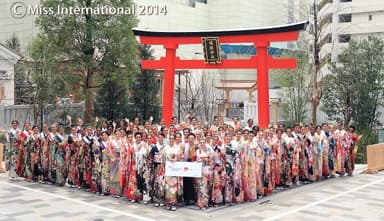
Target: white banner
183	169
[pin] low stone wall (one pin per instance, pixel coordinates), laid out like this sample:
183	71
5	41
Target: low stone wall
51	114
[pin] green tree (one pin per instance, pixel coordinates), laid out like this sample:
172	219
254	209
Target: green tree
356	89
112	97
145	89
295	85
87	45
47	83
13	43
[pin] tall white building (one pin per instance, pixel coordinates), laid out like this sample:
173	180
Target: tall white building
343	20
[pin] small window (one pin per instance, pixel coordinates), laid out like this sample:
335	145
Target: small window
3	75
345	18
344	38
369	17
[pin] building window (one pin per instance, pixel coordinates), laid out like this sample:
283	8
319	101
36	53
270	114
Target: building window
369	17
344	38
345	0
3	75
345	18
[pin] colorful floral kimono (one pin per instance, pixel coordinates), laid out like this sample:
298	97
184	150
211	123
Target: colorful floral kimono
27	151
143	165
105	167
219	174
325	170
61	173
238	191
97	168
230	156
133	192
11	155
318	147
44	156
295	159
244	148
303	160
332	144
88	162
340	155
72	153
351	141
268	183
114	151
311	161
35	158
53	146
276	161
158	182
172	183
260	167
251	192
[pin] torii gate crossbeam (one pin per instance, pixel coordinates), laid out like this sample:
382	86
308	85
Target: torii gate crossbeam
261	39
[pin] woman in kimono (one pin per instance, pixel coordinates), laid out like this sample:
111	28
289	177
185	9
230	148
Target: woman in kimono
277	154
72	152
331	151
114	150
35	155
260	144
24	166
146	171
28	154
105	175
204	188
97	166
172	183
125	161
219	174
12	150
230	155
325	168
44	153
238	191
295	160
250	193
268	180
244	149
158	182
303	158
133	192
53	146
318	144
61	173
340	144
352	140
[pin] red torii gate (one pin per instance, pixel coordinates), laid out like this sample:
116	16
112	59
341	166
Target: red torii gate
260	37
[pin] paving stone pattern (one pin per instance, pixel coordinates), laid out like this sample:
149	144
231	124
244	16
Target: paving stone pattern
20	200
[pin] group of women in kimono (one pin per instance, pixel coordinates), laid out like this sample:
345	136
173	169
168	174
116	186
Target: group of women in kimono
238	163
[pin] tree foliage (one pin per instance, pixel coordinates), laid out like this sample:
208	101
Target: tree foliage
296	89
145	89
87	46
48	85
13	43
355	90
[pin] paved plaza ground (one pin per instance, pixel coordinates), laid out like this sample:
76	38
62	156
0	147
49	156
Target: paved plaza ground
360	197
